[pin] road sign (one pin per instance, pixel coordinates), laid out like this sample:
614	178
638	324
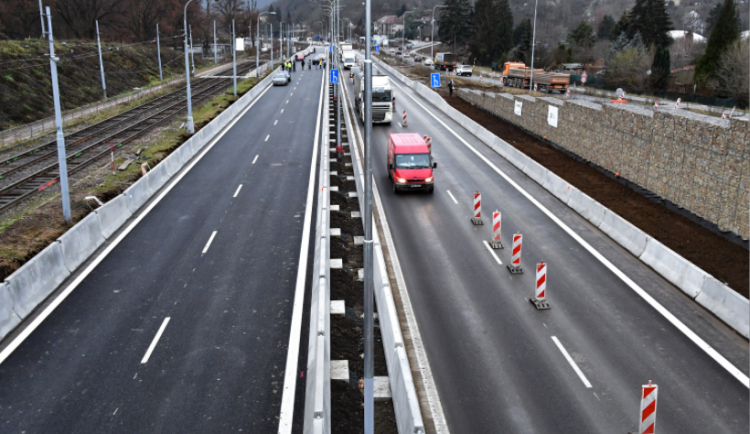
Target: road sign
334	76
584	77
377	48
331	48
435	80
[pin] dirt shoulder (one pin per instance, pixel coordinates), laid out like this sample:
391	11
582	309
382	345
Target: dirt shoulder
718	256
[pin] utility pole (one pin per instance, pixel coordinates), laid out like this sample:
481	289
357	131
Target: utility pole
257	49
101	62
192	55
158	52
234	60
271	24
368	253
216	60
189	123
533	41
41	15
61	157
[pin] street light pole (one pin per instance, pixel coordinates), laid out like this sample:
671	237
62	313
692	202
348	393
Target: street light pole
101	62
189	123
192	54
234	60
216	60
432	34
257	49
368	252
533	41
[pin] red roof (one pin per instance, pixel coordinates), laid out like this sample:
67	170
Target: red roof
409	143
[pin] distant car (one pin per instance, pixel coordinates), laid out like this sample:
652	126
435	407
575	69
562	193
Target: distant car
409	45
398	53
417	58
463	70
282	78
427	62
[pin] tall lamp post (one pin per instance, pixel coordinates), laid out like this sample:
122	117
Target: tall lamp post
432	32
257	49
189	123
533	41
368	256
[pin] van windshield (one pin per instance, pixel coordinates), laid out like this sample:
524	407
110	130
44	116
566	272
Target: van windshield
349	60
413	161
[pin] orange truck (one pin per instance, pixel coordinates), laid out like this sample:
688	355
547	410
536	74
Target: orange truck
410	163
516	74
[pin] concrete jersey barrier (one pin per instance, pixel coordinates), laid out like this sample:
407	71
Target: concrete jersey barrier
36	279
720	299
80	241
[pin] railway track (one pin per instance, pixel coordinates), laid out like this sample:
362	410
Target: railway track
31	171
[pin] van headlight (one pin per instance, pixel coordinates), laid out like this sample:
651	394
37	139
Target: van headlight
429	180
400	180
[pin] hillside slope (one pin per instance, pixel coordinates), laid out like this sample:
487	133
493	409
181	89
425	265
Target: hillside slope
26	87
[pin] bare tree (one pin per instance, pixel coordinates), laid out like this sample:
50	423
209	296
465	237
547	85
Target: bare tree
80	16
733	71
139	17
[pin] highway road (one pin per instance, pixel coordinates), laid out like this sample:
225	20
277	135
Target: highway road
184	326
502	366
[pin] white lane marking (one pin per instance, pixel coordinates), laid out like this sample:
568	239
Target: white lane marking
697	340
282	110
287	102
291	94
295	334
15	343
267	138
210	239
493	252
572	363
451	195
155	341
255	159
276	122
115	412
238	190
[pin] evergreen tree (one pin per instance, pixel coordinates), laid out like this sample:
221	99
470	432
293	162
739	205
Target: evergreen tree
582	36
724	34
660	69
455	22
519	32
713	16
504	24
401	11
651	20
605	27
621	29
523	51
483	39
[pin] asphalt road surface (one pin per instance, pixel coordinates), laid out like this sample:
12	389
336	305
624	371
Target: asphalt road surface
502	366
184	327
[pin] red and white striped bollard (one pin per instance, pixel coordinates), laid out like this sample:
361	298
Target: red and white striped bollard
724	115
647	419
540	289
428	141
535	87
496	226
477	219
567	94
404	118
677	104
515	264
656	105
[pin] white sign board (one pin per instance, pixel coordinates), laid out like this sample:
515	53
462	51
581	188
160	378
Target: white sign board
239	44
552	116
518	108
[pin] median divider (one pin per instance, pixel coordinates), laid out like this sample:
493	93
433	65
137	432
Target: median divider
82	239
317	412
31	284
720	299
403	392
36	279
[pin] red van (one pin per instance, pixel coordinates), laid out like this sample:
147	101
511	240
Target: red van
410	163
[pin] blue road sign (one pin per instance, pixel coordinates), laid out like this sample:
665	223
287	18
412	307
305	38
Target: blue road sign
334	76
377	48
435	80
331	48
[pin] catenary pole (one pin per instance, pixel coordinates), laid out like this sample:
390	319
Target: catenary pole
533	42
257	49
189	123
368	253
216	59
41	15
158	52
271	25
61	156
192	54
234	60
101	62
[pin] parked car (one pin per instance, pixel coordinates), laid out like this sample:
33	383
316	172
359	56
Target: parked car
428	62
463	70
282	78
